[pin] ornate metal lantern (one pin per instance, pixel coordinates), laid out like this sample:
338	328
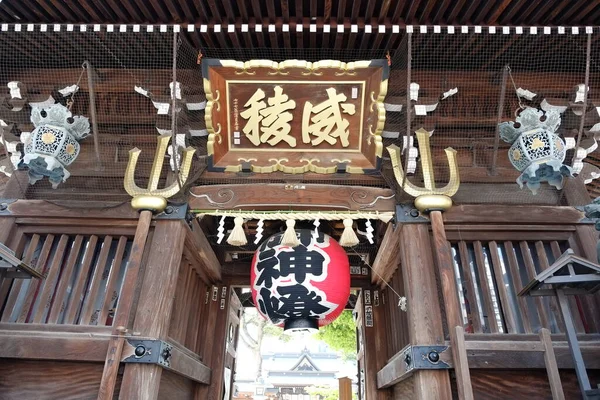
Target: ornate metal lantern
536	151
53	144
302	287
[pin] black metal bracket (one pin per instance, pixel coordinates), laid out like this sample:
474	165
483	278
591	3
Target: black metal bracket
408	214
424	357
173	211
4	203
150	352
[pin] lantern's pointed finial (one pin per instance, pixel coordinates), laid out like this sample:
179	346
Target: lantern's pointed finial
429	197
152	198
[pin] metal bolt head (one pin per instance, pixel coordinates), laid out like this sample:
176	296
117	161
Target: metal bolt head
140	351
414	213
407	359
433	356
3	206
169	210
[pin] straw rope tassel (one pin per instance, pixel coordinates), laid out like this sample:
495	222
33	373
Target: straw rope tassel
289	237
348	238
237	237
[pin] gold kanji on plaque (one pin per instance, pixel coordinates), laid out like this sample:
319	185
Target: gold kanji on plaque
273	121
327	124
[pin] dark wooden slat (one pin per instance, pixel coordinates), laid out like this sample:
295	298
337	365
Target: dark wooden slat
469	281
544	264
541	309
9	307
517	285
80	281
486	290
33	288
505	303
87	309
111	293
61	291
47	290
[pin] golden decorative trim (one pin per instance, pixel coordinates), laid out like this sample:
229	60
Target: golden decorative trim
433	202
152	189
427	169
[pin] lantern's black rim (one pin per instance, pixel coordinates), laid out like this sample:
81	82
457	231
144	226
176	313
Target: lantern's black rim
301	324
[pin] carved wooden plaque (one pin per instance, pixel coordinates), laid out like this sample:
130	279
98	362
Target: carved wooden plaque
295	116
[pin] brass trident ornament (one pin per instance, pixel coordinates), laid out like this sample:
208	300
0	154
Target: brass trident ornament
152	198
428	197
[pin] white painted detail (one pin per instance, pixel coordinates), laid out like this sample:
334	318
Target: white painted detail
141	90
56	27
423	28
66	91
533	30
449	93
392	107
451	30
525	94
420	109
196	106
15	90
414	91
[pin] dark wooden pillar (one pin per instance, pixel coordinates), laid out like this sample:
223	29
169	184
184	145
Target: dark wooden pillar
153	314
424	314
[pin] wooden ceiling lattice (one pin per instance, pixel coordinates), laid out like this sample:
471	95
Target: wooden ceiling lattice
476	12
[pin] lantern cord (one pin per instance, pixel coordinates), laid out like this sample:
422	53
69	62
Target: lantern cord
401	299
298	215
521	106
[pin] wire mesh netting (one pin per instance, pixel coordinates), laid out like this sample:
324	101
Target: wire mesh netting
458	87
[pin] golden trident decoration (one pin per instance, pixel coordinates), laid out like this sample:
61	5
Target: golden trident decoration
152	198
429	197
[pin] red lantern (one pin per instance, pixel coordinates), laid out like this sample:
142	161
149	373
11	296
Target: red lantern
302	287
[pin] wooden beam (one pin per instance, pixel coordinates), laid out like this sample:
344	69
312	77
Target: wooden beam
524	215
424	314
264	196
551	365
204	260
461	363
70	209
155	304
52	346
388	256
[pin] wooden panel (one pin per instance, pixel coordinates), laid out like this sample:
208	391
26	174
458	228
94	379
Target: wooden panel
586	240
469	280
61	291
42	265
194	313
486	289
80	281
88	307
49	380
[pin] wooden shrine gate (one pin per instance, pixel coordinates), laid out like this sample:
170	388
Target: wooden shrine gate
61	335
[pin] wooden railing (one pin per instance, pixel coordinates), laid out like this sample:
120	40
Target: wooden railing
84	275
490	274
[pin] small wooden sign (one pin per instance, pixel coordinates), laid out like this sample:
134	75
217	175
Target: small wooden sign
295	116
